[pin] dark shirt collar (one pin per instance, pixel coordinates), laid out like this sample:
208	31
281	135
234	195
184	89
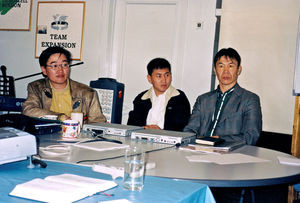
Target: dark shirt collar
220	93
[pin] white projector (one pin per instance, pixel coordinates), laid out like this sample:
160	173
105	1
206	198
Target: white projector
112	128
16	145
164	136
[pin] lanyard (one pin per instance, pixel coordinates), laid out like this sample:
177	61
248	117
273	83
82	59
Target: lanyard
219	112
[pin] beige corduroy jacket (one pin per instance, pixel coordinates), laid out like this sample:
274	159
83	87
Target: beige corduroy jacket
84	99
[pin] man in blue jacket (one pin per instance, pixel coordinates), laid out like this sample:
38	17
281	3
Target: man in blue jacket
162	106
229	112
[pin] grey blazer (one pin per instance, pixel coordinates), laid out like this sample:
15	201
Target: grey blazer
241	118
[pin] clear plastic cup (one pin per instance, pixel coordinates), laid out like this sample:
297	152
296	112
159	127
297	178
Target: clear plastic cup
134	168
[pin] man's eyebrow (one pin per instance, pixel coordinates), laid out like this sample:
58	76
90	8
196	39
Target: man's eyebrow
64	61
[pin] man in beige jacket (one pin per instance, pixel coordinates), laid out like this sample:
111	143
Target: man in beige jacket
57	94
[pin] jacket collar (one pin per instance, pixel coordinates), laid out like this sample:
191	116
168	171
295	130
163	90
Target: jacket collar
171	92
48	88
234	99
48	85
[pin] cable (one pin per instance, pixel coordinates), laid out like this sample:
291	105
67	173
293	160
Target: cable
115	157
97	135
100	138
55	150
28	76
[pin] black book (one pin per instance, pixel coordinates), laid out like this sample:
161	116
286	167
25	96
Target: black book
212	141
223	147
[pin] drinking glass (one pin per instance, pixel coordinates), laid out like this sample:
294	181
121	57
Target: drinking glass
134	168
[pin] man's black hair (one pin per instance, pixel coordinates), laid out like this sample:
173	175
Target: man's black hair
230	53
158	63
45	55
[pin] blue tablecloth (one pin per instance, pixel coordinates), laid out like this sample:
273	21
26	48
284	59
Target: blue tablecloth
155	189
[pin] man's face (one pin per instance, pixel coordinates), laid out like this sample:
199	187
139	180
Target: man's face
160	79
57	70
227	71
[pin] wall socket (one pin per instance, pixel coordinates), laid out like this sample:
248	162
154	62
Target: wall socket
199	25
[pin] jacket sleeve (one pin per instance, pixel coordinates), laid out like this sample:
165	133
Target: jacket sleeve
187	111
194	120
139	113
252	121
33	105
94	110
181	115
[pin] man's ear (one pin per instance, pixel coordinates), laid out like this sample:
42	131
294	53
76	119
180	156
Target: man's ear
149	79
240	70
44	70
215	70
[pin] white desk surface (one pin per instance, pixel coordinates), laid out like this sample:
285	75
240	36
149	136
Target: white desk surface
172	163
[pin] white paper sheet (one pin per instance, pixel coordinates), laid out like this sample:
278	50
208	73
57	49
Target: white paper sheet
116	201
289	161
234	158
61	188
101	146
115	172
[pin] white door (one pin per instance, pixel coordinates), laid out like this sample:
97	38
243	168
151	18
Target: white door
141	30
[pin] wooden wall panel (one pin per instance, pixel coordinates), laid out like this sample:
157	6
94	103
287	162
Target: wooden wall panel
296	129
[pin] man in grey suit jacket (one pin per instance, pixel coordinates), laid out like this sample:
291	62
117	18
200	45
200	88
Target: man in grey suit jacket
229	112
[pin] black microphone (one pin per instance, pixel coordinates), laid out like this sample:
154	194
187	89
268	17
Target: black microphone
3	70
39	163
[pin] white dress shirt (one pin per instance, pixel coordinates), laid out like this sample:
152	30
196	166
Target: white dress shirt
156	115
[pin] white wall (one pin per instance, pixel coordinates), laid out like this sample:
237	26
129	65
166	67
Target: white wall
193	62
198	50
264	32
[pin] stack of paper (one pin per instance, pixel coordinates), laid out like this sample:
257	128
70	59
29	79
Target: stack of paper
222	148
61	188
234	158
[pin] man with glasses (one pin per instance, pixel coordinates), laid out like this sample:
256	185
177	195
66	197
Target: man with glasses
57	94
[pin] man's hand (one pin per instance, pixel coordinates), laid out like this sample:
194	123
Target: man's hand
152	127
63	117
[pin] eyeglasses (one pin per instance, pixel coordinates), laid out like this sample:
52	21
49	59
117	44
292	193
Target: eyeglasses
56	66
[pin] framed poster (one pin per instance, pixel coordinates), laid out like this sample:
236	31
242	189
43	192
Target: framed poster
60	24
15	15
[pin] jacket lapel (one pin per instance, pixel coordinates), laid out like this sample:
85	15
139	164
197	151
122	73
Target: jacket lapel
76	99
47	95
210	106
233	103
